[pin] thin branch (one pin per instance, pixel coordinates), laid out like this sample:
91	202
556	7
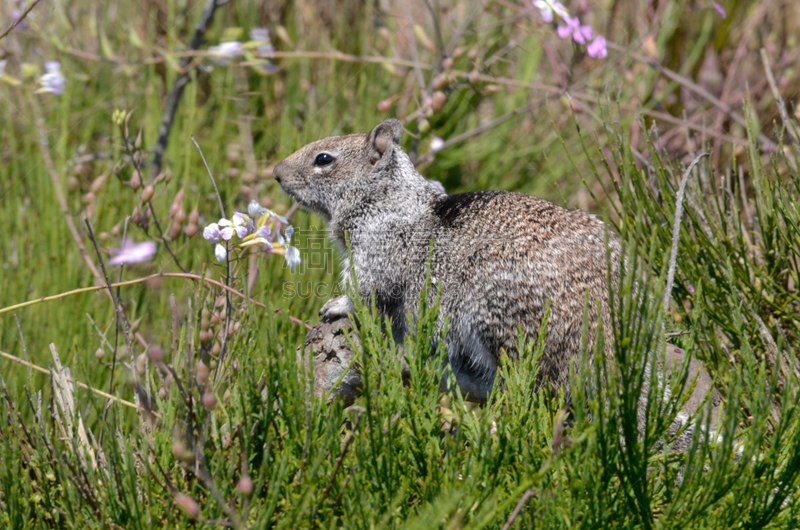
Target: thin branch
181	81
676	229
24	349
518	508
150	204
211	176
778	100
20	19
144	279
80	384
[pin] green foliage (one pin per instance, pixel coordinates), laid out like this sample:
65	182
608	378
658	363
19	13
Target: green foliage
405	455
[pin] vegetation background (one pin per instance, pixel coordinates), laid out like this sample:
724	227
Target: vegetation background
492	97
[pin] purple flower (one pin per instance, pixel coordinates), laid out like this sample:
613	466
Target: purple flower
580	34
53	81
211	232
690	288
548	7
720	10
598	47
15	15
132	252
242	224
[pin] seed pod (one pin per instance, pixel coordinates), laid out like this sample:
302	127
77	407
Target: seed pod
88	198
447	63
209	400
458	52
216	349
73	185
438	100
202	373
168	381
385	105
474	76
97	184
102	236
440	81
473	54
162	393
147	193
100	353
115	230
141	364
176	231
191	230
136	216
136	182
180	215
194	216
233	172
79	170
156	353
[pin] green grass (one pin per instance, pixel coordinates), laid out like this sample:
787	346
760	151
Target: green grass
401	457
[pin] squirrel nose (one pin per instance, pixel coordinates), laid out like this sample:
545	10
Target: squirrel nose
277	173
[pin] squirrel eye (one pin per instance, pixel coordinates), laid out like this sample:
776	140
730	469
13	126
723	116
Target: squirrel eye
323	159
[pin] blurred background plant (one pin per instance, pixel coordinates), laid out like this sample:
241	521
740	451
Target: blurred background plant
592	104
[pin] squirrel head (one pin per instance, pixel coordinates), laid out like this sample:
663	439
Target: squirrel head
343	173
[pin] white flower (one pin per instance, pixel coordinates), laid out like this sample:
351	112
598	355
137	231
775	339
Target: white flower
255	210
225	52
437	144
53	82
220	252
292	257
548	7
242	224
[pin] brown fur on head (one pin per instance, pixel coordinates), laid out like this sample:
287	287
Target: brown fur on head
320	175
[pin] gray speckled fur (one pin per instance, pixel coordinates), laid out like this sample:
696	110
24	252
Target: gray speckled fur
499	256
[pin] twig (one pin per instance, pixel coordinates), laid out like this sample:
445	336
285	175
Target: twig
211	176
144	279
778	100
518	508
181	81
226	331
24	349
80	384
150	203
20	19
676	228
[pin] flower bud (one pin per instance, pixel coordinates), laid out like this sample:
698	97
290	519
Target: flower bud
473	54
136	216
191	229
88	198
216	349
447	63
188	505
194	216
147	193
100	353
180	215
246	485
162	393
233	172
136	181
102	236
474	76
115	230
440	81
458	52
424	126
176	231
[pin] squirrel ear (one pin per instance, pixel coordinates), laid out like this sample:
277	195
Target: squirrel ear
382	139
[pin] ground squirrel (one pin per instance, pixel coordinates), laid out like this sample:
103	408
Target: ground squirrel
498	256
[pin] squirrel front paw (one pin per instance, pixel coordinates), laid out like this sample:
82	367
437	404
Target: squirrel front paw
338	307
